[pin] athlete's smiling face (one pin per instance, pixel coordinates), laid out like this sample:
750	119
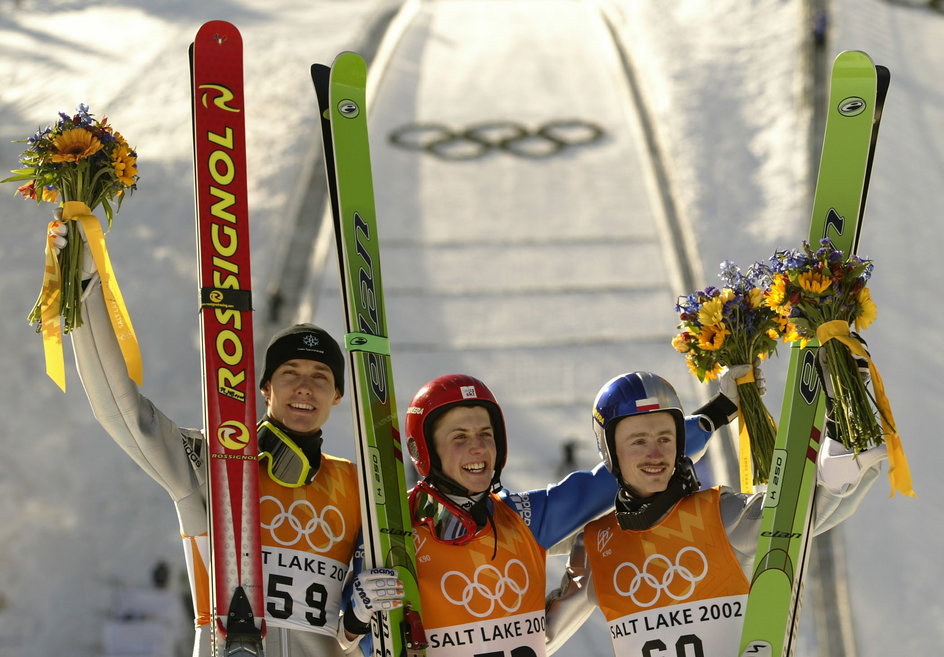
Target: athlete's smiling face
300	394
465	442
645	449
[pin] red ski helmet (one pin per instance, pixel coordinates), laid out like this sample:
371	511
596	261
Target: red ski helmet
434	399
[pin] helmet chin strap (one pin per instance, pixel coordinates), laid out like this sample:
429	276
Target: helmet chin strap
640	513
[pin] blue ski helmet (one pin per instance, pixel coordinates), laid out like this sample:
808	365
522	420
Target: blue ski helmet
634	393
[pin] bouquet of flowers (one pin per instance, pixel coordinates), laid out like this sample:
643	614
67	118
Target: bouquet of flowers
818	294
83	163
729	326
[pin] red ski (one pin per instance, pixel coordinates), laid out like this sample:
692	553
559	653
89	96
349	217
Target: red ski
216	65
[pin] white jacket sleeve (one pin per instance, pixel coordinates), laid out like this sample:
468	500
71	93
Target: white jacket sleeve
569	606
842	480
172	456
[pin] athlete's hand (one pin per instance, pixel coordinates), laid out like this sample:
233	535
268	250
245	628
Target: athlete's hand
62	231
376	589
58	232
728	380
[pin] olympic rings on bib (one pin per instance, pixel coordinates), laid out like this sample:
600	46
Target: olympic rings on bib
650	586
318	530
477	588
479	139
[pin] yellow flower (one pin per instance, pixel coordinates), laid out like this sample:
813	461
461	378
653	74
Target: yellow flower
814	282
712	337
680	342
709	374
125	165
755	297
74	145
776	294
50	195
869	310
791	334
726	295
710	312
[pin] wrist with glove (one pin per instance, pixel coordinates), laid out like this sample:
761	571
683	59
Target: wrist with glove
723	407
61	231
374	590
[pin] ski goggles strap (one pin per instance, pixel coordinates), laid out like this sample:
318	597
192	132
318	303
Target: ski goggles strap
287	464
431	512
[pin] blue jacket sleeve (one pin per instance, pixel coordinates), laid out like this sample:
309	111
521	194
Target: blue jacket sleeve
696	437
557	511
560	509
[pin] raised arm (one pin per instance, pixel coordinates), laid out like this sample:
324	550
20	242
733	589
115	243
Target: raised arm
168	454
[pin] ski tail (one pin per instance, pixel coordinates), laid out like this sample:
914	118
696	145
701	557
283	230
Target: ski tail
236	592
856	99
387	527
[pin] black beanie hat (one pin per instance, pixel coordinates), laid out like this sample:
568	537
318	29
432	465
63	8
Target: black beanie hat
308	342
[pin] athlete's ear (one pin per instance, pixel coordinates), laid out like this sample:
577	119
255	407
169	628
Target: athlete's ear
337	398
266	390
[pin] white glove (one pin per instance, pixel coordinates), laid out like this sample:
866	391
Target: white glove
58	232
61	230
728	380
377	589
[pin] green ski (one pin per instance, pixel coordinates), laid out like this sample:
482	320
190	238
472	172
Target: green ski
387	528
857	93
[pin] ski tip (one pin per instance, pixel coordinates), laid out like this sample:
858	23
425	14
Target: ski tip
220	32
853	58
348	55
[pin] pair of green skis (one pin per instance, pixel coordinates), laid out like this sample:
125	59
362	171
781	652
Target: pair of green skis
387	527
857	94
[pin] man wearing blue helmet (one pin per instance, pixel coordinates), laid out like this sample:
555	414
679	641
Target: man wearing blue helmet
670	550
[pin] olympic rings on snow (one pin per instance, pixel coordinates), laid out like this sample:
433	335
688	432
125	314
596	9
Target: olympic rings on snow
653	585
307	529
479	139
503	582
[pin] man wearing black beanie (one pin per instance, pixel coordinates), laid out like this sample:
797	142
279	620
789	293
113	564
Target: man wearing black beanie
303	378
309	508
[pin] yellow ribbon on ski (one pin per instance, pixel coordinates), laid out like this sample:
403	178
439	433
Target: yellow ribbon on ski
746	469
114	302
899	474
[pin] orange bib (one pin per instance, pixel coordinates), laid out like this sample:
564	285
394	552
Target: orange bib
308	539
675	585
473	604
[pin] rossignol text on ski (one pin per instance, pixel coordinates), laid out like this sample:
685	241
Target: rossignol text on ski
227	340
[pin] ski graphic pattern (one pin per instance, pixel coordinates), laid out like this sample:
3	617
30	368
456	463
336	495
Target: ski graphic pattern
857	94
387	528
227	340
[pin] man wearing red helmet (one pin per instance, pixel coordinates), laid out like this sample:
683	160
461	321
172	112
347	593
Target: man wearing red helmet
481	549
670	565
